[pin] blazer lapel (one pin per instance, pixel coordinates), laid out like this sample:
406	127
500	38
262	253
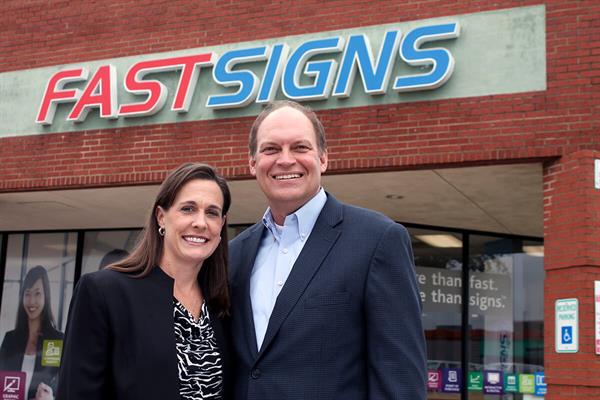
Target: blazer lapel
320	242
250	249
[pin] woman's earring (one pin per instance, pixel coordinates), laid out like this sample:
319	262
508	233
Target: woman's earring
161	231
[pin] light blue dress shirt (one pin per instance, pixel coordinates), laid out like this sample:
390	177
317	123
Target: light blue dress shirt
279	248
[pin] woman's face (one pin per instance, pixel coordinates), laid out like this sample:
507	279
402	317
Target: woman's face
33	300
192	224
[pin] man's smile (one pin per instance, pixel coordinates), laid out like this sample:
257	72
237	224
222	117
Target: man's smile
287	176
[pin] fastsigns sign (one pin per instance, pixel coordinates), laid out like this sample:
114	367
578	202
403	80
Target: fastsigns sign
285	69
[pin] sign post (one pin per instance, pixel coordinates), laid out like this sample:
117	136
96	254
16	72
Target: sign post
597	174
566	325
597	312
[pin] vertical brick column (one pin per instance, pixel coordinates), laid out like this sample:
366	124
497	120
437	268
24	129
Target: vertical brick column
572	263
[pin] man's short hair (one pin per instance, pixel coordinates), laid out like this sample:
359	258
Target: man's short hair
276	105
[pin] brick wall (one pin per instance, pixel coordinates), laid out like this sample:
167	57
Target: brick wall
490	129
572	264
37	33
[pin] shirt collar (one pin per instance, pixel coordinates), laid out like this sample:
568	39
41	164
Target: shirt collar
306	216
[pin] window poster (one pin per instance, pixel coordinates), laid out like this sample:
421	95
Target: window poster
37	288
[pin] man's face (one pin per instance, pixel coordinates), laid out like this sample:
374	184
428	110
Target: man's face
287	163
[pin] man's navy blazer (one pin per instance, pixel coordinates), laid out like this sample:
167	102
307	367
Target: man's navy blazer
347	323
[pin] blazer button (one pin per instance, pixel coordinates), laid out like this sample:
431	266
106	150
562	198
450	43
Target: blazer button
255	374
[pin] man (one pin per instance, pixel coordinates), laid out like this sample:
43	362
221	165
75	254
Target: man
325	303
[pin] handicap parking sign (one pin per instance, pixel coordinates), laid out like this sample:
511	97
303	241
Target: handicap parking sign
566	334
566	325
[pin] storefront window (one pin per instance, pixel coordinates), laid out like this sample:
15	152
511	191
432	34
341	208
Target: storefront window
503	337
506	318
438	256
38	283
105	247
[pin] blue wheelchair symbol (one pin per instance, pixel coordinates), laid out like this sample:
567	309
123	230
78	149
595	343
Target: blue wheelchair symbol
566	335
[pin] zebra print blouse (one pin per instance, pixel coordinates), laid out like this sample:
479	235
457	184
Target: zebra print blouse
198	356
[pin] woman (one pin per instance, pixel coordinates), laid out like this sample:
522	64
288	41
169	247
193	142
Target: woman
22	347
151	326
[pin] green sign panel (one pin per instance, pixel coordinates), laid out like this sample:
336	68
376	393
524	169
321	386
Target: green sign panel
51	352
511	383
475	381
526	383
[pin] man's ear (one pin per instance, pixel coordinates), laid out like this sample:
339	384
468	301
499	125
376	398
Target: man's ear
252	164
323	161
